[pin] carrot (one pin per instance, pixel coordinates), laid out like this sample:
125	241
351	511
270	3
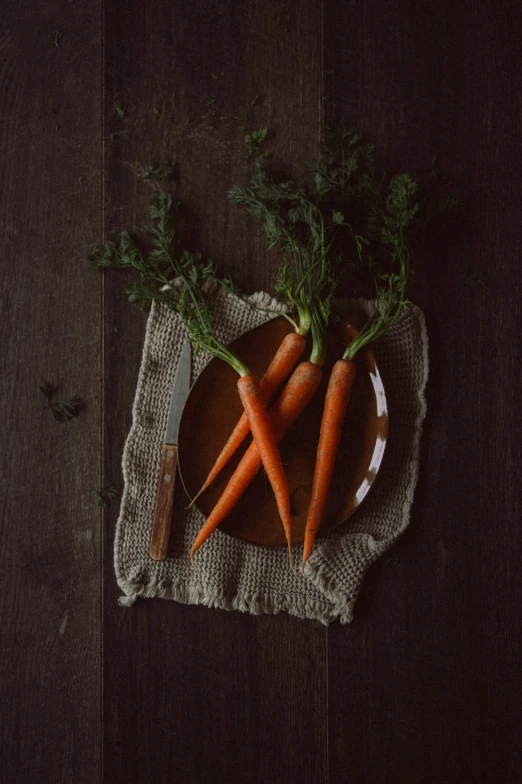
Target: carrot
294	398
336	400
265	440
288	353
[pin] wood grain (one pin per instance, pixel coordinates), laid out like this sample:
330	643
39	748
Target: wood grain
159	538
425	684
430	691
238	698
50	311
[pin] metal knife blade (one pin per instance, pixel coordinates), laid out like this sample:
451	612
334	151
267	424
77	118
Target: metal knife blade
180	390
159	539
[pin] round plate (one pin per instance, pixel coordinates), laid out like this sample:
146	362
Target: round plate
213	408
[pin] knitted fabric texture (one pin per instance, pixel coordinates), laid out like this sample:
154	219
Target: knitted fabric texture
235	575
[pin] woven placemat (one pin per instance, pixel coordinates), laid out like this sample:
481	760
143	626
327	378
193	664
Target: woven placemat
234	575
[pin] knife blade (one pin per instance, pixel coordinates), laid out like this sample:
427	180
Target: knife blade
159	538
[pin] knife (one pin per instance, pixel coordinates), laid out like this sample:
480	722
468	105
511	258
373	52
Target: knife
159	539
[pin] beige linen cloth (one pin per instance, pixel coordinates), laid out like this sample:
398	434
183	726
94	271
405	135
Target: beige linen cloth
234	575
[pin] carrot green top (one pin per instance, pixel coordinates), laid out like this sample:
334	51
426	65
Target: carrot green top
390	211
170	275
301	220
305	220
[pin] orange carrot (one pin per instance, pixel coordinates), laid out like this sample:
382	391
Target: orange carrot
266	442
294	398
288	353
336	401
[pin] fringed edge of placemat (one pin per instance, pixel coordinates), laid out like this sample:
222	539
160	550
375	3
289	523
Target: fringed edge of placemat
415	458
252	603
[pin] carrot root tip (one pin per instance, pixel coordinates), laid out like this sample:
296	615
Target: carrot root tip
290	558
196	496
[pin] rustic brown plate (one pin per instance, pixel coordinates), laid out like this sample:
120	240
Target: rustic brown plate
213	408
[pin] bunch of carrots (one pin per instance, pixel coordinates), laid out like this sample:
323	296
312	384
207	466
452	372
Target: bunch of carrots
306	222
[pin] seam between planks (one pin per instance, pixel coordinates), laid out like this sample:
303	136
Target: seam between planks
321	136
102	383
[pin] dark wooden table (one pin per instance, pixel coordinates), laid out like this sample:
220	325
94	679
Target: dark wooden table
425	684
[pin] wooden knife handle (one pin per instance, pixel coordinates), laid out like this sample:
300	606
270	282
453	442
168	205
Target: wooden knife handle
159	539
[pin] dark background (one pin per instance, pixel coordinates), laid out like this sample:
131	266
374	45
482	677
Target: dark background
424	685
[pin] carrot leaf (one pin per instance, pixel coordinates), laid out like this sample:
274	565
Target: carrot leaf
169	274
105	495
391	212
300	219
254	139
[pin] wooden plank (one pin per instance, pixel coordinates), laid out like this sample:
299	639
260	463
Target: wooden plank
193	694
50	319
425	685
